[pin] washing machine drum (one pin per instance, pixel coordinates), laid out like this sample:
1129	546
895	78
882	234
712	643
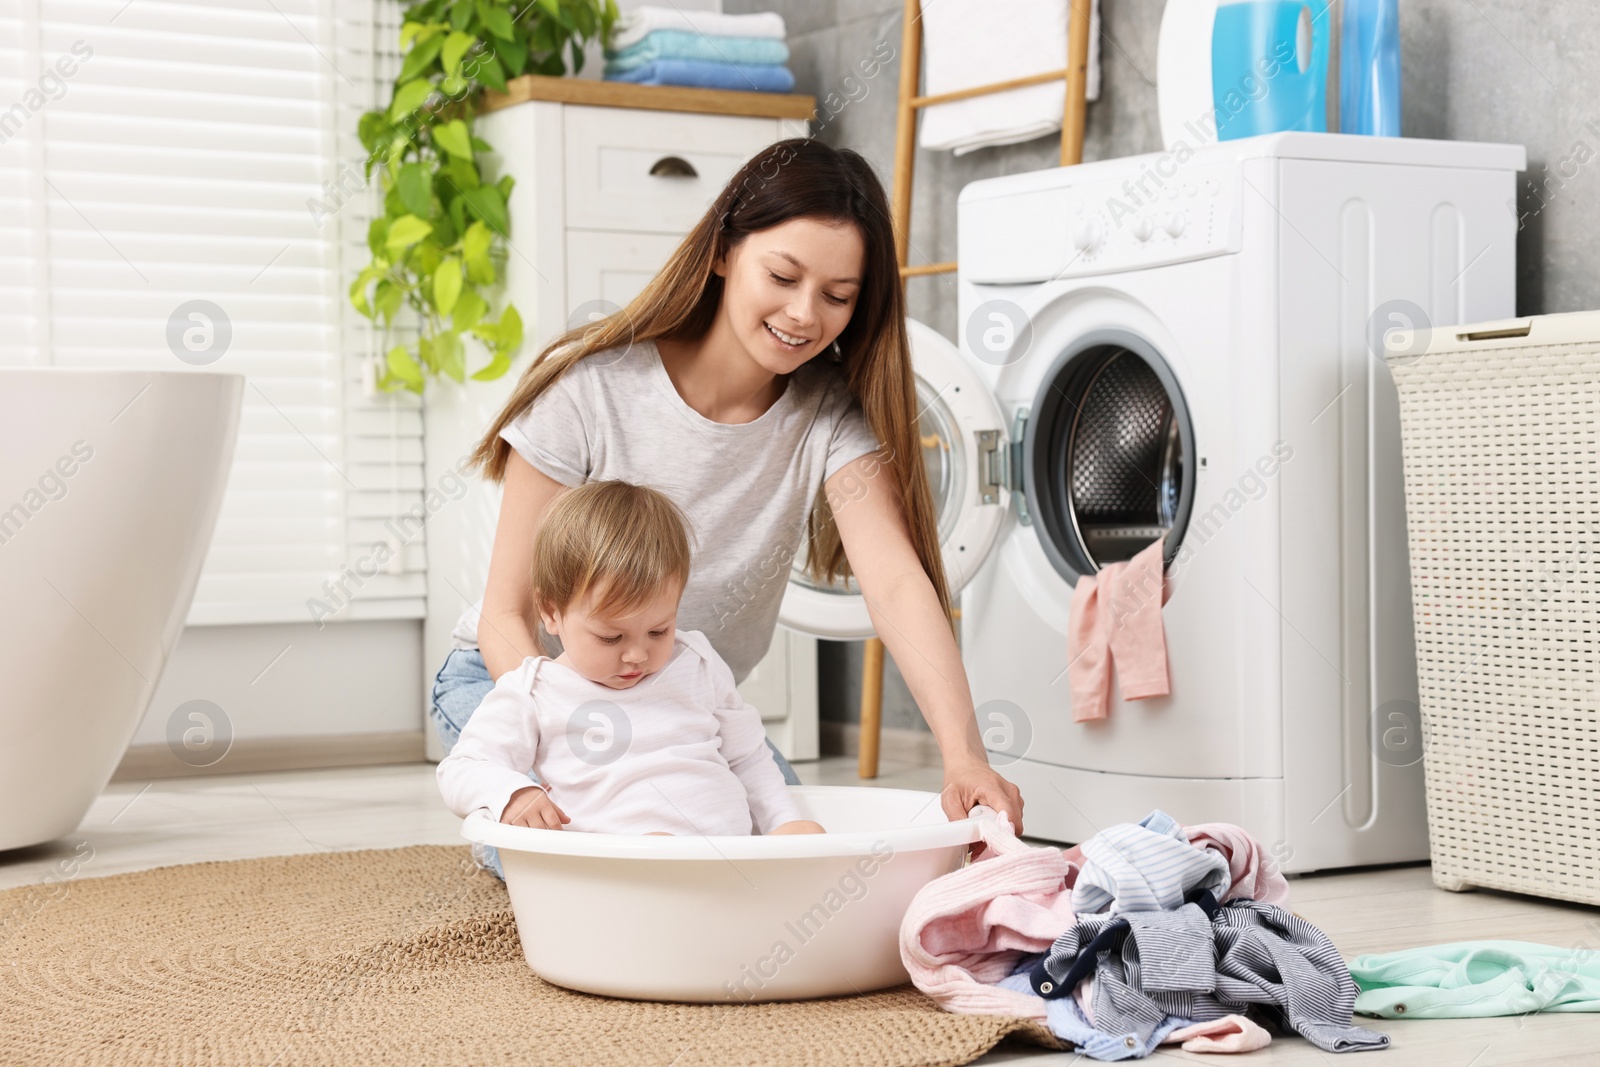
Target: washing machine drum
1108	455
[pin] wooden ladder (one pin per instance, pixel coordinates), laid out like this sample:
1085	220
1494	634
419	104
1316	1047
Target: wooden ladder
905	155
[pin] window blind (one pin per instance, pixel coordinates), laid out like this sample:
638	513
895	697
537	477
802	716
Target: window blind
159	153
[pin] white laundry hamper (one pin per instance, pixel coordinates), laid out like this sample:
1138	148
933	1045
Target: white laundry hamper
1501	433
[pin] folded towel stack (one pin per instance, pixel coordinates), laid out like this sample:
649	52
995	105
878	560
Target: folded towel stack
665	46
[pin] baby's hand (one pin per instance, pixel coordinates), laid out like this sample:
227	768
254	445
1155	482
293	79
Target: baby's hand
532	806
799	826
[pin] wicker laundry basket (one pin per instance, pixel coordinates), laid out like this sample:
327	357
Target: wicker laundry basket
1501	433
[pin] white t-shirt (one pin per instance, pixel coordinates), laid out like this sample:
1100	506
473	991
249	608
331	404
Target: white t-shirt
747	488
680	751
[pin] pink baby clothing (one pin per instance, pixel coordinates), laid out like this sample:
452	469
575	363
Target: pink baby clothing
1231	1033
966	930
1115	621
1253	874
679	752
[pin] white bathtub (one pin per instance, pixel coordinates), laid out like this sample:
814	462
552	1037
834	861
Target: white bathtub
717	919
110	483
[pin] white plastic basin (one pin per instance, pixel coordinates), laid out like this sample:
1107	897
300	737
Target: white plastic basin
717	919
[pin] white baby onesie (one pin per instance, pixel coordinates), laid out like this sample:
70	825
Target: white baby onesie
681	751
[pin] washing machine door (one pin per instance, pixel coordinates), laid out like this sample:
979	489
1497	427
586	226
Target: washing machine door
1108	454
961	429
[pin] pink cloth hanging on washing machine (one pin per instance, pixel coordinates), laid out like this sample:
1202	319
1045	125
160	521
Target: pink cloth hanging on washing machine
1115	621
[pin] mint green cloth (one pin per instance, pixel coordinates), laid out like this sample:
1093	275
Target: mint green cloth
680	44
1476	979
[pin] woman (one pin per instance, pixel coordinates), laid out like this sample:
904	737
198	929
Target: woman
763	380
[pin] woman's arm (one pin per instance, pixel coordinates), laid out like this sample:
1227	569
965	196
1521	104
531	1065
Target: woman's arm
505	632
905	611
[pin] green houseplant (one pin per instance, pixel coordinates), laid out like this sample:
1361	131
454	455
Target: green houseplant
442	233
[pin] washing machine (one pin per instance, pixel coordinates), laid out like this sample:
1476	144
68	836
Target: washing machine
1186	345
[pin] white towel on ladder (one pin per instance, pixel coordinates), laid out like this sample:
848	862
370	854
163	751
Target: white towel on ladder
978	42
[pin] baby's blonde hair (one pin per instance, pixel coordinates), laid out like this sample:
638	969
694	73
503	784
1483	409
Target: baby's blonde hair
623	541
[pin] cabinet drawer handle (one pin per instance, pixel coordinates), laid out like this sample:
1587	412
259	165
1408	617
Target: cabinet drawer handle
673	167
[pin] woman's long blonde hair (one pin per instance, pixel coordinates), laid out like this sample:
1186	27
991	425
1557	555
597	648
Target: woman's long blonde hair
797	178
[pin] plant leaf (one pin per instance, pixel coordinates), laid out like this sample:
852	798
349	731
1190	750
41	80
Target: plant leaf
387	300
371	128
403	366
454	138
455	46
476	241
409	98
416	189
377	234
461	173
470	309
447	285
487	204
584	18
513	55
447	352
419	59
406	231
495	368
358	292
510	329
495	19
460	14
489	73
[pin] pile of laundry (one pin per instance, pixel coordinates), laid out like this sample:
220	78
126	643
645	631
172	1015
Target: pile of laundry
1146	934
665	46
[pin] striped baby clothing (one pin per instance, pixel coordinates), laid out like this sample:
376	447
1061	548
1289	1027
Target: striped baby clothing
1205	960
1145	867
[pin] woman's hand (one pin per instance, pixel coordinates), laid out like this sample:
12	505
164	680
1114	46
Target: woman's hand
532	806
970	784
906	612
799	826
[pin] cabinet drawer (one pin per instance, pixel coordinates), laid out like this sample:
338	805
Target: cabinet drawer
610	153
612	267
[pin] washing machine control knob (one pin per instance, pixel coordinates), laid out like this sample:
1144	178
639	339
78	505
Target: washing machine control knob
1086	233
1144	227
1173	223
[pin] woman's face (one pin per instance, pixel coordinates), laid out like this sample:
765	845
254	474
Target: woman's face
799	279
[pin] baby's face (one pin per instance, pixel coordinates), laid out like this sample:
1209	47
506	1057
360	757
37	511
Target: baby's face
618	652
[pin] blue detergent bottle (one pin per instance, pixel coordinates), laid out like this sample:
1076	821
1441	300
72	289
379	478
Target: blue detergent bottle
1369	68
1269	66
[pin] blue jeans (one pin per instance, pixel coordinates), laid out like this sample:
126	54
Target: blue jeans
460	687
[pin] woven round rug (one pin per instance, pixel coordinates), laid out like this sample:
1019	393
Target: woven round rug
391	956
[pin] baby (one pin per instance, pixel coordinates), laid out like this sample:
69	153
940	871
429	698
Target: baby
636	728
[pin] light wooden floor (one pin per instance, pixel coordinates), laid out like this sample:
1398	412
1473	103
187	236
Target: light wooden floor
136	825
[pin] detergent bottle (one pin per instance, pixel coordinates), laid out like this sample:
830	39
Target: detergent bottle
1269	66
1369	68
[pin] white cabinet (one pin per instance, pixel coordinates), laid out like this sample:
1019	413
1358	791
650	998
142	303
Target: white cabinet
653	171
603	196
